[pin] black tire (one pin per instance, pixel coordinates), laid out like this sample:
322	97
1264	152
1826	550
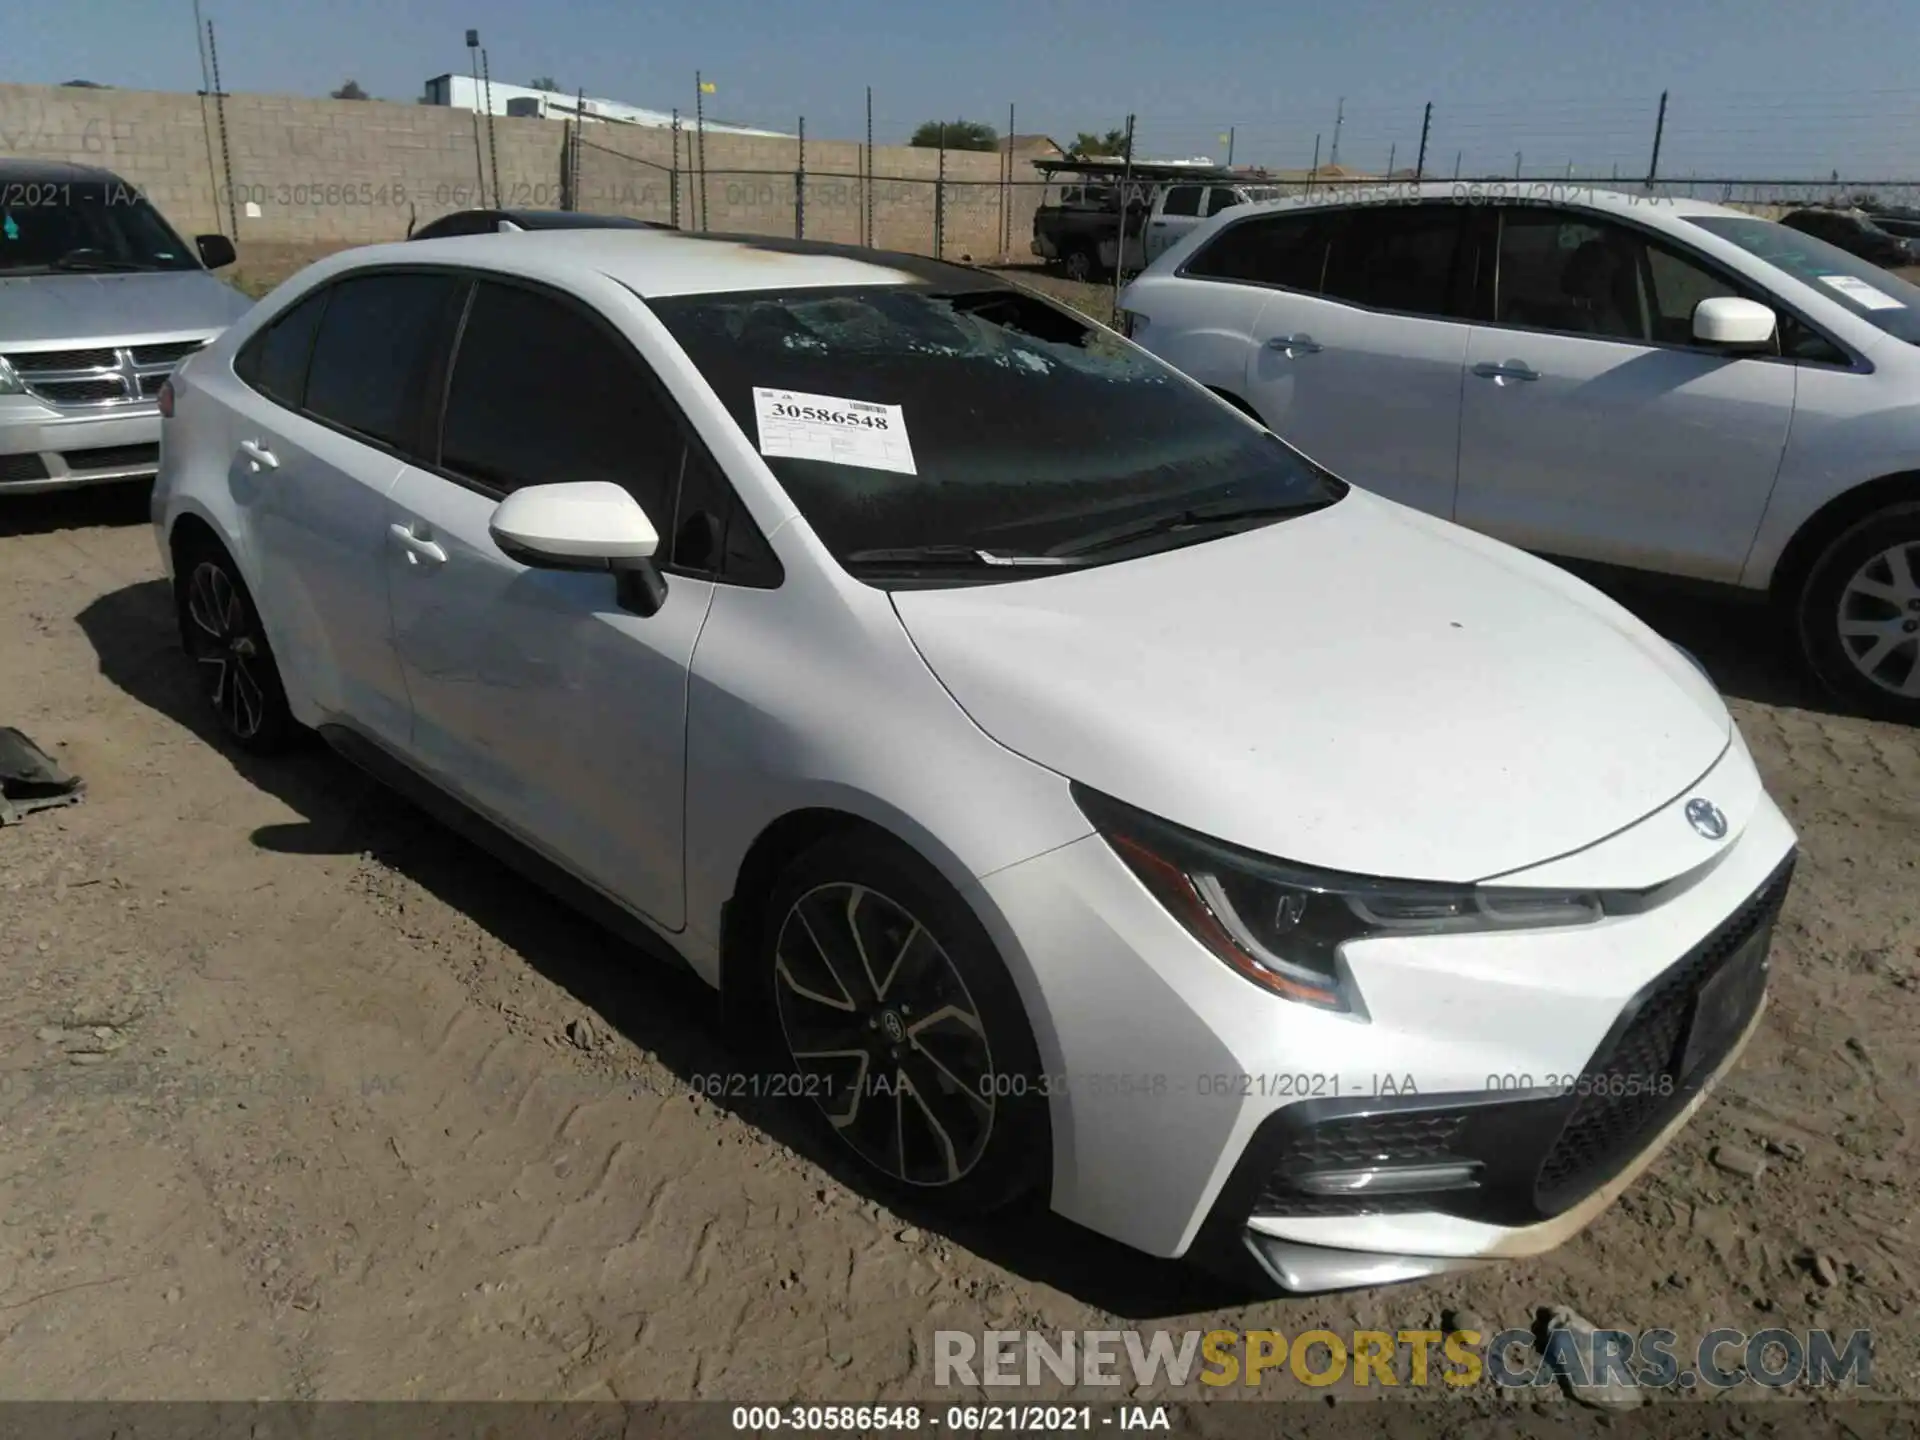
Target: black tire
221	632
1857	616
1079	265
944	1019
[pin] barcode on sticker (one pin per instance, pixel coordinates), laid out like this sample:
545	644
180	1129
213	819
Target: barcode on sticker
868	406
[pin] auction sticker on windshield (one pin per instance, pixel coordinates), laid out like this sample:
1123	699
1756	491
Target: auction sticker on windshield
1861	293
797	426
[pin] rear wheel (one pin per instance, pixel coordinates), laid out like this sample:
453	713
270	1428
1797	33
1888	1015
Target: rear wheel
900	1026
222	633
1079	264
1859	614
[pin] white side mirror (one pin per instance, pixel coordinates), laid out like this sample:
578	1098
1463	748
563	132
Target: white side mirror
583	525
1731	321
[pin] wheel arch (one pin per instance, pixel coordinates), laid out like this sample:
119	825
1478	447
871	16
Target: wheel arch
1832	520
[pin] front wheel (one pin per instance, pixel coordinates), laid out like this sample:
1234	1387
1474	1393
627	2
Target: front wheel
1079	264
1859	614
901	1028
222	633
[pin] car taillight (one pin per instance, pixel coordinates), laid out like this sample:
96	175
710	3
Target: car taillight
166	399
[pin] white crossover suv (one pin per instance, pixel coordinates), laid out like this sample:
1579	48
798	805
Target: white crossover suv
1074	789
1658	384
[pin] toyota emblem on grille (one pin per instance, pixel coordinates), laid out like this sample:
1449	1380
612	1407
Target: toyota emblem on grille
1706	818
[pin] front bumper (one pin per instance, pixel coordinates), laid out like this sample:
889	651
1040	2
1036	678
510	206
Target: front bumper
1183	1098
43	447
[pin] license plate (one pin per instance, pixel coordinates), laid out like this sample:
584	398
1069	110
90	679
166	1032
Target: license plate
1726	1001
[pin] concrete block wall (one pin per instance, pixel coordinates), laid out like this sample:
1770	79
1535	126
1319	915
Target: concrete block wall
344	172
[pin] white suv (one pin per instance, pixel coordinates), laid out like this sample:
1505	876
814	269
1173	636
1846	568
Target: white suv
1659	384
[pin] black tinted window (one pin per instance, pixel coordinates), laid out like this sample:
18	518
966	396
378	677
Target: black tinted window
1401	257
1218	200
542	394
1288	250
1560	271
376	341
1182	200
1859	286
712	531
275	361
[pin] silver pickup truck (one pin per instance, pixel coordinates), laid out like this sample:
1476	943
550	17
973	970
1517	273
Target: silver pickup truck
99	300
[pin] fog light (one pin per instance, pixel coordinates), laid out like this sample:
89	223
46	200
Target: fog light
1389	1180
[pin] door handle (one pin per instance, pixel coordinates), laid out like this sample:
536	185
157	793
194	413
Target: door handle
418	550
258	454
1510	370
1305	344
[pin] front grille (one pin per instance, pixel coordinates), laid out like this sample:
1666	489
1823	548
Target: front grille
167	354
36	360
21	467
78	392
113	457
150	385
1628	1088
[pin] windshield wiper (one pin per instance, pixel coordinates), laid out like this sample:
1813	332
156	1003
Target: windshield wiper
1190	518
966	555
83	261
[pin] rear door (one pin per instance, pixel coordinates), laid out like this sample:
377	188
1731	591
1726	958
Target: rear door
1364	375
536	697
328	401
1593	425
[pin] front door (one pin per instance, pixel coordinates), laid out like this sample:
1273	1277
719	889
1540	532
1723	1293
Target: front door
536	697
1592	425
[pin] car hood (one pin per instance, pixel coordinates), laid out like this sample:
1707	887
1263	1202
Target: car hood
72	309
1362	688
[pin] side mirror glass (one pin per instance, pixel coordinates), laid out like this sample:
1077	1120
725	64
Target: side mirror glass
584	525
1734	323
216	251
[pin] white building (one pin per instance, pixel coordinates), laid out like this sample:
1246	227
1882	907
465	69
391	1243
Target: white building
463	92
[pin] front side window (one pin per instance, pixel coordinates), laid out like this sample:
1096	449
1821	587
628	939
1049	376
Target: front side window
1182	200
542	394
54	226
378	336
1032	433
1409	258
1857	286
1288	251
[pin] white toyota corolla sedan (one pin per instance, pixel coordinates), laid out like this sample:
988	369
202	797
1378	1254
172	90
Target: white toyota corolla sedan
1073	788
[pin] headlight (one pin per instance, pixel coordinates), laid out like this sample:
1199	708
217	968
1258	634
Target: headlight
9	382
1282	926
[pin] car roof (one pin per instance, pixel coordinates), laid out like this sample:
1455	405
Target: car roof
576	220
1493	192
53	172
659	263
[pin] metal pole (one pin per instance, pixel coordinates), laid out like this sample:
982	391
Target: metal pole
1314	173
1120	253
866	187
493	150
200	48
1232	130
1393	152
700	141
940	196
1516	164
1006	191
1339	116
579	134
1456	163
1659	129
479	156
673	174
1420	165
226	150
800	187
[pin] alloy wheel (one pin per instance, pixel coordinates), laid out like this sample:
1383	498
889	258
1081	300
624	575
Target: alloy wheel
884	1034
227	649
1879	619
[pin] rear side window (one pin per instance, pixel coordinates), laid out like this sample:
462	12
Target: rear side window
1285	250
377	341
542	394
1218	200
274	362
1408	258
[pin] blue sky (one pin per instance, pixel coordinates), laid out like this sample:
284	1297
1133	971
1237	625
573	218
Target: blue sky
1758	89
